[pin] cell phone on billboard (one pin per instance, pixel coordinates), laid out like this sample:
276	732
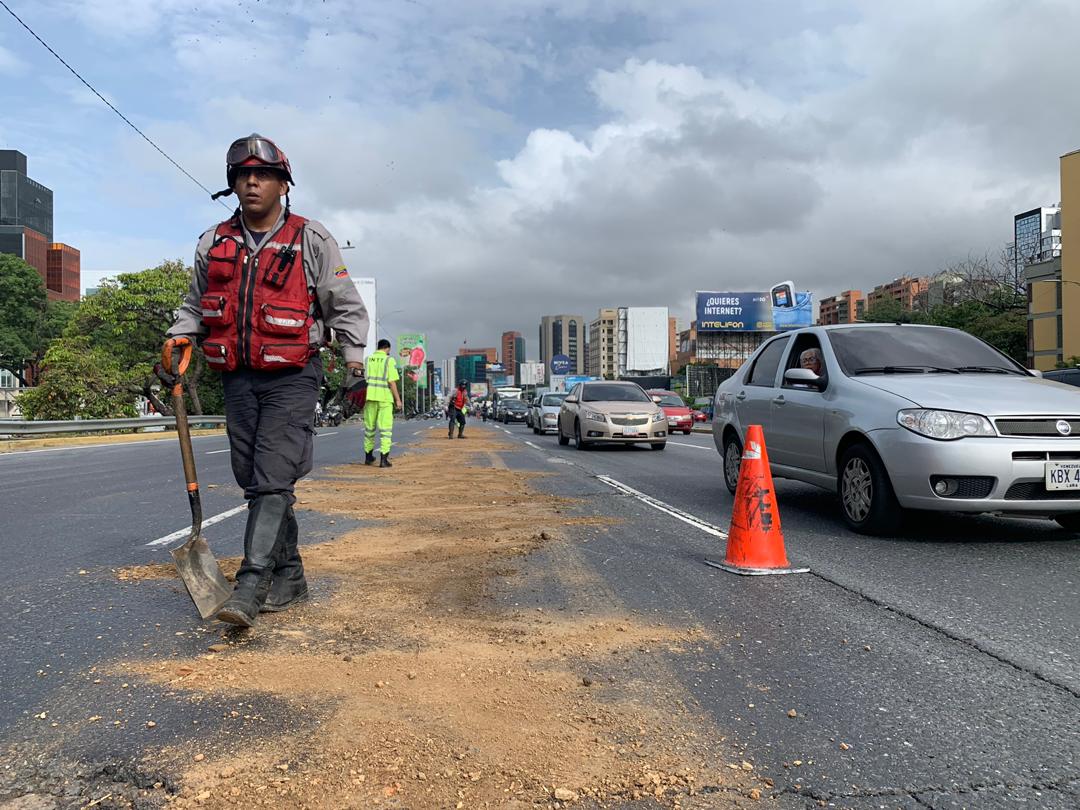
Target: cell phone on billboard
783	295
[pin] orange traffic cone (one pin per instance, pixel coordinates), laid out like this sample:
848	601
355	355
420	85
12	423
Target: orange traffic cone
755	542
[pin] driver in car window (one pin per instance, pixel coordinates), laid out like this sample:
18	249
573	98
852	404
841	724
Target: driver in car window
811	359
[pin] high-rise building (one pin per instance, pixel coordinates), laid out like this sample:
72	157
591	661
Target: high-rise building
563	334
472	368
513	353
1052	272
28	245
62	273
906	291
602	355
491	355
23	202
846	307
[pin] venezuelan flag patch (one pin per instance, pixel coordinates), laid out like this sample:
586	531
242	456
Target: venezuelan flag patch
342	272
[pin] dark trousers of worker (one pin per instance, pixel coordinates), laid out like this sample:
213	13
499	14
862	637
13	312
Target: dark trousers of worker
458	416
269	418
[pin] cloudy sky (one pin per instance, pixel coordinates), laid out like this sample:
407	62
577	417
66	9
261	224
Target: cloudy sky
497	160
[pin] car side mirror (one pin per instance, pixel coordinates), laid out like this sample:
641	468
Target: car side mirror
1034	372
570	399
656	400
802	376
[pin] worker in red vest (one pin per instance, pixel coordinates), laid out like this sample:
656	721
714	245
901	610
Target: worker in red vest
455	410
267	286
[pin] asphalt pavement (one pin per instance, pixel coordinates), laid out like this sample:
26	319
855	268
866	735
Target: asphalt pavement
937	668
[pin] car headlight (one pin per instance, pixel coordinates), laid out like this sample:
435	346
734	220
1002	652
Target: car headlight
659	417
945	425
593	415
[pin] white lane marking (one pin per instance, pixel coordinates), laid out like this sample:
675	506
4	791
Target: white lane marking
666	508
211	452
210	521
507	432
92	446
687	444
536	446
557	460
331	433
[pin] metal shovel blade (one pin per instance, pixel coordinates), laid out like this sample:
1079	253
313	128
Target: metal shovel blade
202	577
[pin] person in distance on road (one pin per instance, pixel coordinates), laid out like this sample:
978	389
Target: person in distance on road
382	399
267	286
455	410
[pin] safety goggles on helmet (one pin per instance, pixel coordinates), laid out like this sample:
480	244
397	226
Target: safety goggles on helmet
253	146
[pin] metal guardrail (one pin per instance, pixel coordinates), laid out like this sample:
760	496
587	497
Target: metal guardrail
22	427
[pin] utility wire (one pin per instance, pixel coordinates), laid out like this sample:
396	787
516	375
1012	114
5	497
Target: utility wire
93	90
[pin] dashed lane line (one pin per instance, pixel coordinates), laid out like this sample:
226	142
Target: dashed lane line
666	508
695	446
210	521
211	452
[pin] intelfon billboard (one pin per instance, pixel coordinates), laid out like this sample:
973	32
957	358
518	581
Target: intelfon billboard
775	310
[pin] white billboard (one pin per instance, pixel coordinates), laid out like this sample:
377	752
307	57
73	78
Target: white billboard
532	373
646	339
366	288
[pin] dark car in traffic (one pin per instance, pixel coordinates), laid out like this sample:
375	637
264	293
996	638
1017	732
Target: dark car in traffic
514	410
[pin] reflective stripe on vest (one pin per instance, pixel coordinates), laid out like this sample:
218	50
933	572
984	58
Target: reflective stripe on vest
378	379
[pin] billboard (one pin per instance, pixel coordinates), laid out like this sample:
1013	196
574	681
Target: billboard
754	311
646	339
436	382
532	373
478	390
560	364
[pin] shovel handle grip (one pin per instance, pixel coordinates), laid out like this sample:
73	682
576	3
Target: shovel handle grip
167	351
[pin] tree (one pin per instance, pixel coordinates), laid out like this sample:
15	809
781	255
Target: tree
78	380
128	318
22	316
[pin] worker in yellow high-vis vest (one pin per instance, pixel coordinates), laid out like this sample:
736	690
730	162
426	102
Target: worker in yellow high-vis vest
382	398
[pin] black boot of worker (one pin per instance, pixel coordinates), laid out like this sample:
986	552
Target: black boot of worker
369	457
385	460
263	539
461	433
289	585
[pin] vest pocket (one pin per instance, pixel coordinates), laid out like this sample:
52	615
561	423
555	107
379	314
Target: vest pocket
217	356
283	320
281	355
215	310
221	260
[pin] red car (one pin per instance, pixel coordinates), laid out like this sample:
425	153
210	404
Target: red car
699	416
677	413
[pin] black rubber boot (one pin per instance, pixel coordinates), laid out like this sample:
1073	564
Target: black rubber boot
385	460
369	457
263	538
461	433
289	585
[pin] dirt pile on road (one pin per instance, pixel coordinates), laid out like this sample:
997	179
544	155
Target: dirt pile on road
413	688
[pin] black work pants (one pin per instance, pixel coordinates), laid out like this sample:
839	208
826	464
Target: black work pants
269	416
458	416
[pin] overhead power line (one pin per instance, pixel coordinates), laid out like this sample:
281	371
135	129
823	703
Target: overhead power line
107	103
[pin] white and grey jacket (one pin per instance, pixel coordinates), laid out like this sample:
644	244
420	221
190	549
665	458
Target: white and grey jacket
337	305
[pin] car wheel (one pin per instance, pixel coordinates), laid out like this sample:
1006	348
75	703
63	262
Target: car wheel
658	445
732	462
686	432
866	494
563	440
578	442
1069	521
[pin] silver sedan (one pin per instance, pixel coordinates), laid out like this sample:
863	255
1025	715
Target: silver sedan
611	413
898	417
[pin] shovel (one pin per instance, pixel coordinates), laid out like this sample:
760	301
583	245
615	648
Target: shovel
195	562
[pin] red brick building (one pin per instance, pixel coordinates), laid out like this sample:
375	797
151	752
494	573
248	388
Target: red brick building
846	307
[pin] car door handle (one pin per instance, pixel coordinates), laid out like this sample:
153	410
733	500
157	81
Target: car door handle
779	400
740	396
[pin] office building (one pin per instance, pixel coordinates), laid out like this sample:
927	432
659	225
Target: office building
602	359
62	273
1051	272
565	335
491	355
513	353
23	202
907	291
846	307
29	245
472	368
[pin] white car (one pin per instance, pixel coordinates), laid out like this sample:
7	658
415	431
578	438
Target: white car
544	412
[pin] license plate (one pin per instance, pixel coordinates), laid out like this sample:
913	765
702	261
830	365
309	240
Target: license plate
1062	475
631	430
673	421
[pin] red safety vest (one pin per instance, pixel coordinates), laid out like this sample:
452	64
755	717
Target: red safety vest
257	306
459	400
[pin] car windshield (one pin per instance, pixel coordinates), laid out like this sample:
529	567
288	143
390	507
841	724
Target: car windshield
553	400
916	350
613	393
515	405
671	400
